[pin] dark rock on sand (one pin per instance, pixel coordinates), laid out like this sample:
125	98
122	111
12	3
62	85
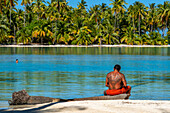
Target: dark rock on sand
19	98
22	97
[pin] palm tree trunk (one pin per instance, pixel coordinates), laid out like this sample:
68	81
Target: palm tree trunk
109	39
131	21
56	31
14	35
10	15
24	15
98	28
100	40
139	25
52	32
133	25
163	32
115	21
118	29
31	39
151	28
56	19
52	27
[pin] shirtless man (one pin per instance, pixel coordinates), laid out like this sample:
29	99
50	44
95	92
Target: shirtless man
16	60
116	80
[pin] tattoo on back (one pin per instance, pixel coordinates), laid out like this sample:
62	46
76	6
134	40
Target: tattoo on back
114	78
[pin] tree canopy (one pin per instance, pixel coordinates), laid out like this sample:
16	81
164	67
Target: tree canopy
59	23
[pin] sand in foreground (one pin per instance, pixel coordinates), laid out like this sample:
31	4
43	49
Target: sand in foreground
101	106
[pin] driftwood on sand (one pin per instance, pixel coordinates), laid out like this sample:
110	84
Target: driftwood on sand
22	98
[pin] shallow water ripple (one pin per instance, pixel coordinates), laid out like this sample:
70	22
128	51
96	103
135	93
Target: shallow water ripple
59	73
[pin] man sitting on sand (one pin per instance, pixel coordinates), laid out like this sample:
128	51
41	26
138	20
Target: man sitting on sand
116	82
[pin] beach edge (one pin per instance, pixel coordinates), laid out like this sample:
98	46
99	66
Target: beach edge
100	106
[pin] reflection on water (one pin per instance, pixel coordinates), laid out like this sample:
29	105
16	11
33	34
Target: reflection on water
81	72
86	50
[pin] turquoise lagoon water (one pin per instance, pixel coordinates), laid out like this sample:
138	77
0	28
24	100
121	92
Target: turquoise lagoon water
81	72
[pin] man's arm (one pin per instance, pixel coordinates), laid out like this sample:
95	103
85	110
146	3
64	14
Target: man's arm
124	80
107	82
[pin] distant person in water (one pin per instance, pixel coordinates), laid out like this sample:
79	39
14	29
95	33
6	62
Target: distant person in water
16	60
116	82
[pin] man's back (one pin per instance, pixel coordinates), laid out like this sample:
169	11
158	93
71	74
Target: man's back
115	80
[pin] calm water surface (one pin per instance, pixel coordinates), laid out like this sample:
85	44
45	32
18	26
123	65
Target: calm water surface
81	72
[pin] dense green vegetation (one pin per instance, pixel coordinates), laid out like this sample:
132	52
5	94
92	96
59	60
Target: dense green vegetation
59	23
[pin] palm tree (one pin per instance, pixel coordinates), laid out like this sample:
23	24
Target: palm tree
152	17
109	35
53	17
14	24
118	6
2	5
118	10
164	15
128	37
63	32
24	36
3	28
156	39
83	36
11	4
141	12
41	30
25	3
131	16
19	19
96	15
82	5
63	23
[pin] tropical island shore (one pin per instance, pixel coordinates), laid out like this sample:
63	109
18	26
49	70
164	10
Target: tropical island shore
99	106
123	45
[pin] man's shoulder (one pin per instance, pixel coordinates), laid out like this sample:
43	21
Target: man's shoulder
110	72
122	75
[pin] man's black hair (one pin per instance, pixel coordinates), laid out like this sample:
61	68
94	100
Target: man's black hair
117	66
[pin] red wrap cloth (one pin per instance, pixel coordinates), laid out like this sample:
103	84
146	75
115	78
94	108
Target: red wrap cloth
118	91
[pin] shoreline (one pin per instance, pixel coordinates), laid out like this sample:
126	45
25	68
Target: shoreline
99	106
84	46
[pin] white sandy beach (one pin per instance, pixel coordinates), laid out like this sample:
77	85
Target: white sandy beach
85	45
102	106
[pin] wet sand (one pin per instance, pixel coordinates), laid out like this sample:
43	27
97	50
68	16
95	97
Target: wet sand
85	45
99	106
